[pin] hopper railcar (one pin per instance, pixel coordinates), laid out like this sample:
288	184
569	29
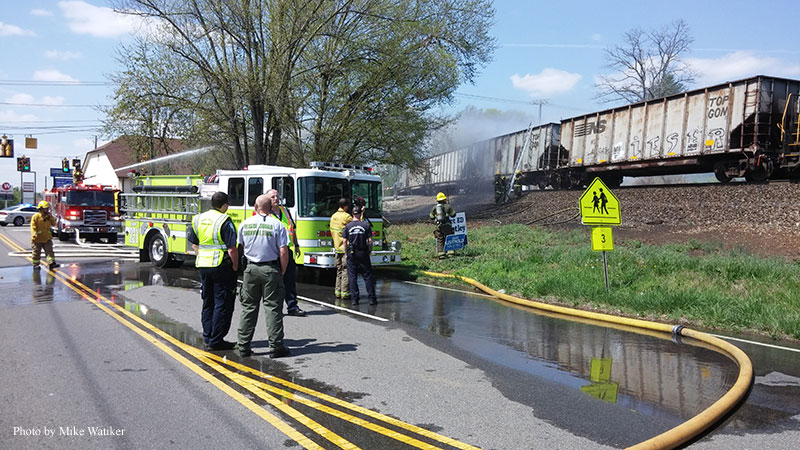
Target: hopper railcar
747	128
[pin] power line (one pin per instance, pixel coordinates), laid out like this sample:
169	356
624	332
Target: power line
526	102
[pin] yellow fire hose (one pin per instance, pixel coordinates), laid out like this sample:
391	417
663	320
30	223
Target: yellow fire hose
692	427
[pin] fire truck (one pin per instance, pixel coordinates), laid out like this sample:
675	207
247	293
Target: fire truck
159	211
89	211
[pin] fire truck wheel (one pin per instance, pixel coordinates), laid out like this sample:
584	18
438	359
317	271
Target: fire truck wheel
112	238
159	255
63	237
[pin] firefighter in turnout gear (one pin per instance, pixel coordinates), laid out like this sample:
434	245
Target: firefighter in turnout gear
41	238
498	187
441	214
339	219
518	184
213	238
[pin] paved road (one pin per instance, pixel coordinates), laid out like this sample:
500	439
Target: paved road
443	361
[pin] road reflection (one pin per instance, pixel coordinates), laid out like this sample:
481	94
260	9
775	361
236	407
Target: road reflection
650	374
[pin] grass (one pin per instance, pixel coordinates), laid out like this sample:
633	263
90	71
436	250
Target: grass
690	283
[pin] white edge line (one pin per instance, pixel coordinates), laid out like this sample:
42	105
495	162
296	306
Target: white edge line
450	289
756	343
339	308
715	335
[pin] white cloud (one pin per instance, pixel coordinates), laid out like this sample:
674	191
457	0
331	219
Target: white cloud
63	56
41	12
740	64
47	100
83	18
51	75
29	99
20	98
14	117
547	82
13	30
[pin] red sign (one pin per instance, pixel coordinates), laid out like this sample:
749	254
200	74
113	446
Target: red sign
6	186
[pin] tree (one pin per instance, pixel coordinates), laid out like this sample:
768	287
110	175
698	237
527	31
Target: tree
647	65
345	80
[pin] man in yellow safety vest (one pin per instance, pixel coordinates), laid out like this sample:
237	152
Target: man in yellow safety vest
213	238
290	276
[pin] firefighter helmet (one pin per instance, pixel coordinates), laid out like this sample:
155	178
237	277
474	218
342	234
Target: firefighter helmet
441	197
43	204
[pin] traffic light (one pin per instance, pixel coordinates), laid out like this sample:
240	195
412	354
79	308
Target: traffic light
26	164
20	160
6	147
76	163
65	165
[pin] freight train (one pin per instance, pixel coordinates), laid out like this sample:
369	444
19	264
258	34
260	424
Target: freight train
748	128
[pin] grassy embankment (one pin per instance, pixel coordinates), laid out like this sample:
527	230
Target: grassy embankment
690	283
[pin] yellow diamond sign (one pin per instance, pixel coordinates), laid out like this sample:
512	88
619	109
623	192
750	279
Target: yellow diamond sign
599	206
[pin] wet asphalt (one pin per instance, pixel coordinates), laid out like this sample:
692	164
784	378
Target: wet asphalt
610	386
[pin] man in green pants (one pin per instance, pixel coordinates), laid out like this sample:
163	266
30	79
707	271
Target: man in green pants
265	243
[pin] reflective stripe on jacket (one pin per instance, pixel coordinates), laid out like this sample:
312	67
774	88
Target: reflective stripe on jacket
40	227
339	219
211	247
288	223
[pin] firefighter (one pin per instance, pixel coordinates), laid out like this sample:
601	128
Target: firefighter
213	238
518	184
498	187
41	238
441	213
357	237
339	219
290	276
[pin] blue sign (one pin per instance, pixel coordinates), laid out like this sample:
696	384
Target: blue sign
61	181
56	171
455	242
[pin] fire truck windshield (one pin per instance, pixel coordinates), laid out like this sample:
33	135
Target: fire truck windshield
90	198
319	196
370	191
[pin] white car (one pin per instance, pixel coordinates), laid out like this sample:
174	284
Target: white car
18	215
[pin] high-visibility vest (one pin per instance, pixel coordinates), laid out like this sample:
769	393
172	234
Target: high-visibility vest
208	228
288	223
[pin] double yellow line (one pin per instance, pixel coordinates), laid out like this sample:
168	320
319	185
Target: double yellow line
266	387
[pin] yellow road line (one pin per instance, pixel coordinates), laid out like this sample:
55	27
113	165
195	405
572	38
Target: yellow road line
261	412
205	356
341	403
322	408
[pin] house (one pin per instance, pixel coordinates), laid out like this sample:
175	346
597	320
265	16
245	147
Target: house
111	163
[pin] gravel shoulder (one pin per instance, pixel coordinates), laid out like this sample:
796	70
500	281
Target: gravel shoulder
761	219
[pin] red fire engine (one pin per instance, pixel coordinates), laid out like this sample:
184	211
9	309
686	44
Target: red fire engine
91	210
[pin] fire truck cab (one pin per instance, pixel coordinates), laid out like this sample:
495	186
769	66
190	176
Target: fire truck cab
89	210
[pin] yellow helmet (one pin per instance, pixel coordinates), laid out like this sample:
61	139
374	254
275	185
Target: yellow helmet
440	196
43	204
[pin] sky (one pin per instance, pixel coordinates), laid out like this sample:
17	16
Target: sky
56	56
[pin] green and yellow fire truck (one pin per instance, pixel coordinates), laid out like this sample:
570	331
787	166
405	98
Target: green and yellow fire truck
159	211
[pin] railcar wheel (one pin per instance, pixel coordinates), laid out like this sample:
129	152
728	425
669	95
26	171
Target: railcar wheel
722	177
542	185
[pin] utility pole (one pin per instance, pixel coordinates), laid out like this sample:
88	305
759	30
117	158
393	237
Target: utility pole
540	102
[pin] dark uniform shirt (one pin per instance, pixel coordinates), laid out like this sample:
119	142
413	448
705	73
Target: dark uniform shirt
357	233
228	232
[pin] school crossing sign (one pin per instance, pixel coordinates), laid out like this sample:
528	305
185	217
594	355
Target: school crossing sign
599	206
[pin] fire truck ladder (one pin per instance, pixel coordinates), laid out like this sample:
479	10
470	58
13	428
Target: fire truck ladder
163	206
